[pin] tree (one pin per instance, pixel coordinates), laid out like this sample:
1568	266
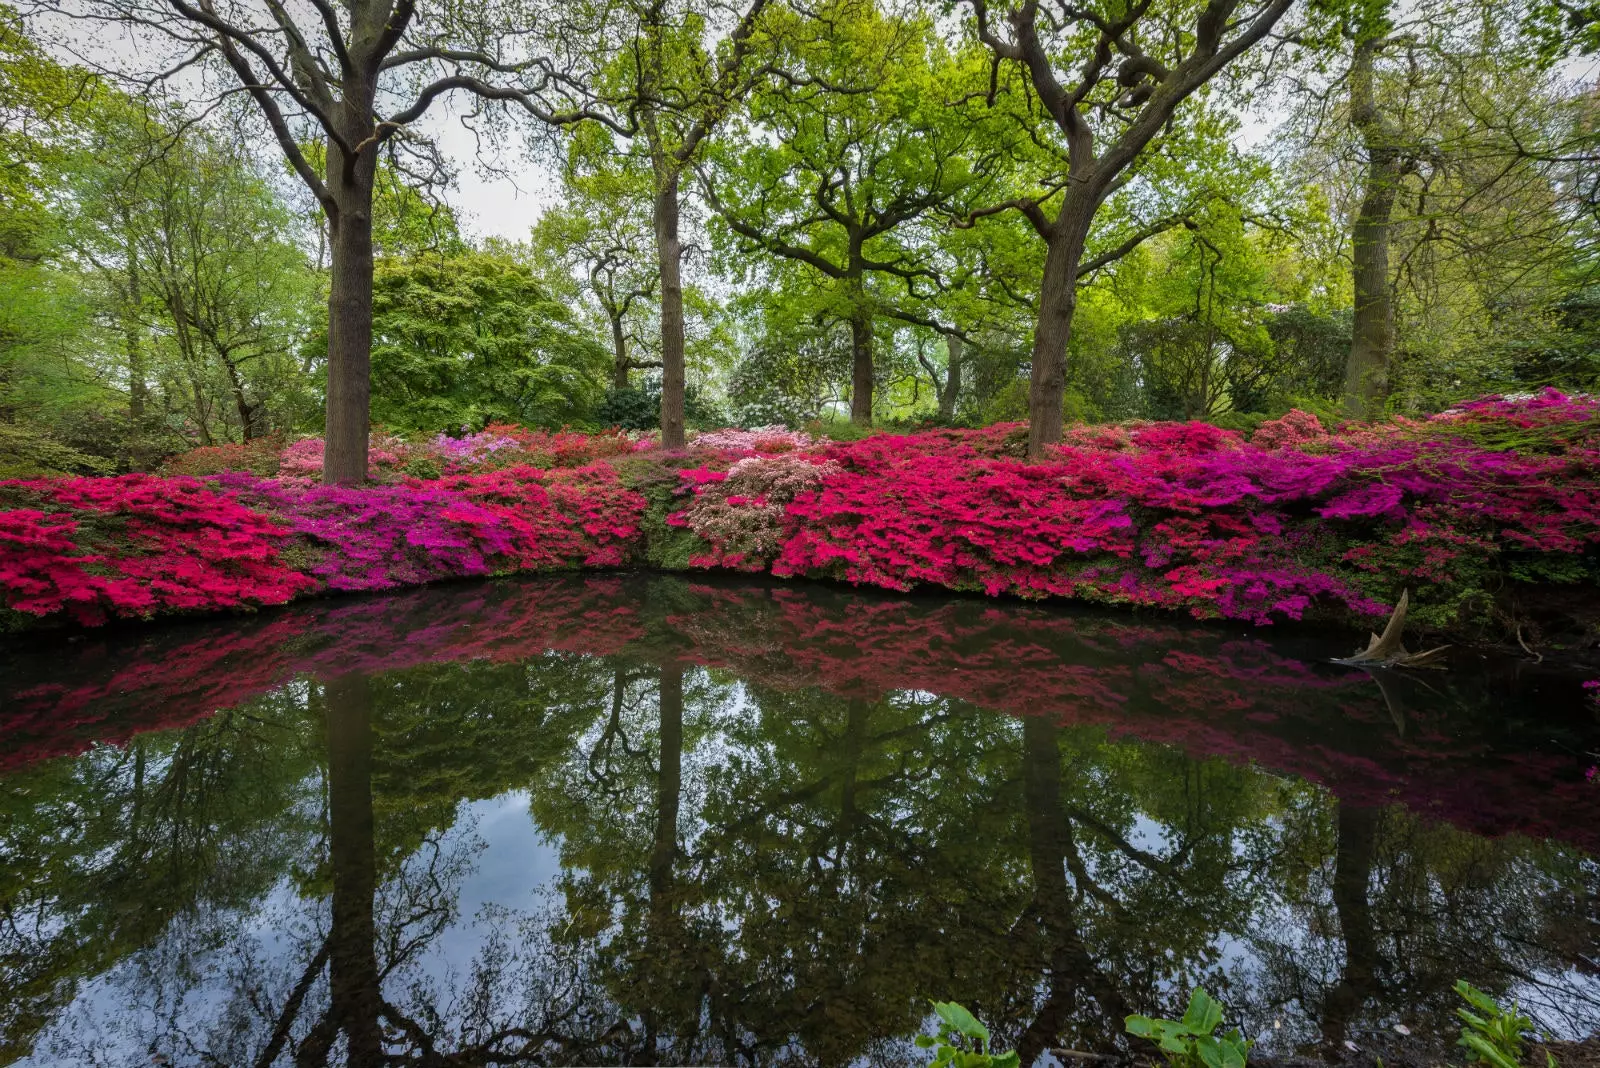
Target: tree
205	285
666	75
602	234
1450	152
839	181
359	74
475	338
1133	66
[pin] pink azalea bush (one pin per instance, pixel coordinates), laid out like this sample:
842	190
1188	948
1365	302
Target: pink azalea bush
762	439
303	458
134	545
742	514
1294	428
1293	522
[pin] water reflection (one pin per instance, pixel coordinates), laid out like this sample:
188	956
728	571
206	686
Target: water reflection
644	821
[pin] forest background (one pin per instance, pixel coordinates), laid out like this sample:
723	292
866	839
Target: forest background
853	214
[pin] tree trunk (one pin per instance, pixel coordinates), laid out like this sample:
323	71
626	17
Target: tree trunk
344	457
669	782
952	380
201	412
1058	300
619	349
860	366
1366	376
1352	879
138	389
1071	967
353	992
669	252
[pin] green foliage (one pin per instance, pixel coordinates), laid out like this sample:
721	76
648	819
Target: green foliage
25	452
1192	1042
962	1041
423	467
474	338
1492	1035
629	408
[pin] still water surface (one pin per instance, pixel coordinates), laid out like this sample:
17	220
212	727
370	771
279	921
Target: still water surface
638	819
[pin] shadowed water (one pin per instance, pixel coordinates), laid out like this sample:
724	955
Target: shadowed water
641	820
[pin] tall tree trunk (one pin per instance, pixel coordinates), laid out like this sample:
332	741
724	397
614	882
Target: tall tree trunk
669	781
201	411
138	389
1352	879
1070	966
249	414
344	457
669	252
860	366
355	1001
1058	300
1366	375
952	380
619	349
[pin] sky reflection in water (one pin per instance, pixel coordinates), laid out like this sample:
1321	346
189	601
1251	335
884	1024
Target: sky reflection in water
649	820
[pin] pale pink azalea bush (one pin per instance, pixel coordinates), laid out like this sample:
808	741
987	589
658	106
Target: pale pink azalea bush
303	458
742	515
761	439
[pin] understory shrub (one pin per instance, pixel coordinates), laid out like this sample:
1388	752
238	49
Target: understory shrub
1298	520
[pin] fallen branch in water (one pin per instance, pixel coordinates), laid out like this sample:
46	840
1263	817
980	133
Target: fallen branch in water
1386	650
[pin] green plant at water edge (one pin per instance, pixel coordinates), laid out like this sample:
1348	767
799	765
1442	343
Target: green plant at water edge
1492	1035
963	1042
1192	1042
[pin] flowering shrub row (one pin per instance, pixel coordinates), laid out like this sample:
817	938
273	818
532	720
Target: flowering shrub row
138	545
1181	516
1194	517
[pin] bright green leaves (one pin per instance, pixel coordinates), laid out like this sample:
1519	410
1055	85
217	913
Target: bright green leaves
475	338
962	1041
1492	1035
1192	1042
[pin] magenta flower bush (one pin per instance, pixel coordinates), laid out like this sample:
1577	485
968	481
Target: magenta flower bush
1295	521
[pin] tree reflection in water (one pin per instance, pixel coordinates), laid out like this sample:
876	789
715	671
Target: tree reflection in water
778	823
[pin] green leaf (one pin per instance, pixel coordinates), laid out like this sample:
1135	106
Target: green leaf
1210	1050
962	1021
925	1041
1487	1050
1143	1026
1173	1041
1007	1060
1477	998
1203	1014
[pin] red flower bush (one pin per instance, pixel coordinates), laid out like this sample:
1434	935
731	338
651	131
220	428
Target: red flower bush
1295	428
1178	516
136	545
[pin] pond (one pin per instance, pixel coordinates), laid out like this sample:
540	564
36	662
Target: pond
636	819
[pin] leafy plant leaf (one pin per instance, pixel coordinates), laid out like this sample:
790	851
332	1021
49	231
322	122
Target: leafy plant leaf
961	1021
1203	1015
1487	1050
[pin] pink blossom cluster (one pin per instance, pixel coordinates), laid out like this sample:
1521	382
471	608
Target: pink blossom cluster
303	458
138	545
761	439
471	448
1294	428
135	545
1193	517
742	513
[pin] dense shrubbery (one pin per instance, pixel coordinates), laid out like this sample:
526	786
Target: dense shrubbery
1294	521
